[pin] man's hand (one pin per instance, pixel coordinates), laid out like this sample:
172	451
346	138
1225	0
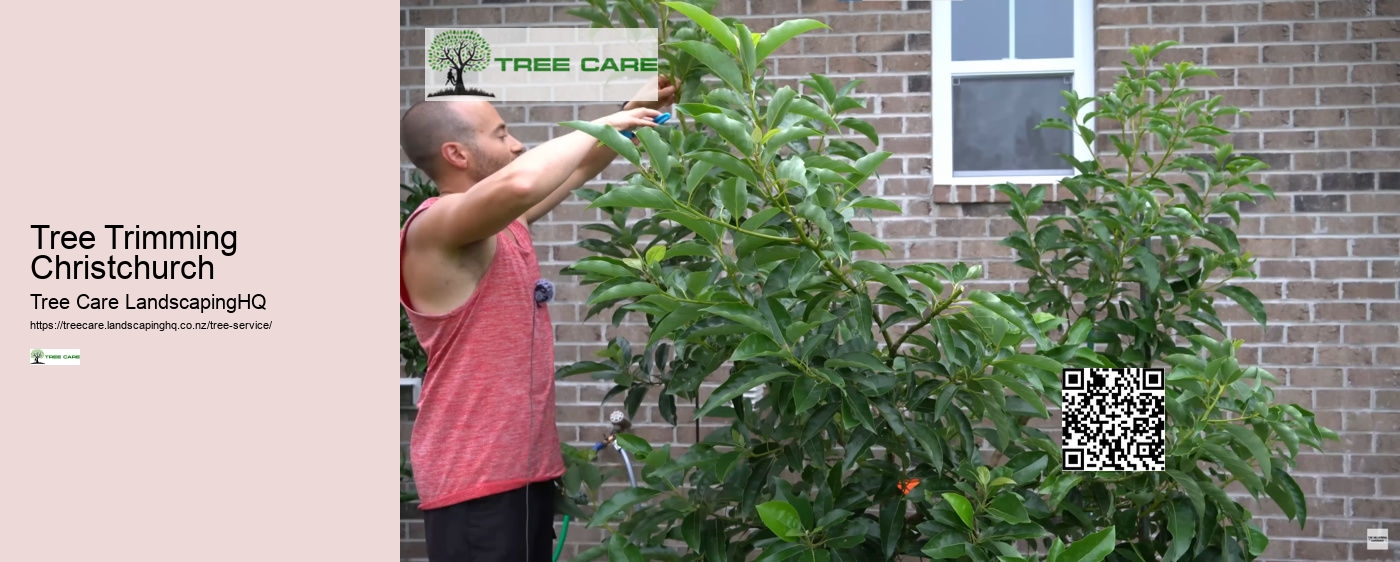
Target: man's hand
630	119
665	95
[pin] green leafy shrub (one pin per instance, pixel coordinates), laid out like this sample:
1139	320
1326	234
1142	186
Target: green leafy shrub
898	416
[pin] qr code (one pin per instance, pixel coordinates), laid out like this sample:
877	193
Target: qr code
1114	420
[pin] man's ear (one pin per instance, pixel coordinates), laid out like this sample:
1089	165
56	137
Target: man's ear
456	155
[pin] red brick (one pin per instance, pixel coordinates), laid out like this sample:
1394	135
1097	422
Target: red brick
1320	160
1375	202
1315	377
1376	464
1231	55
1341	269
828	44
1343	355
1198	35
1344	52
1311	290
437	17
1388	95
1349	486
1310	74
1339	312
1153	35
1375	74
1326	117
1320	31
853	64
905	63
1342	399
1371	334
1385	269
1289	10
1266	33
1321	247
1279	97
1176	14
1351	95
1363	117
1284	268
1114	15
1289	139
1345	225
1388	7
1369	290
1374	160
1289	53
1345	138
1230	13
1375	29
1313	334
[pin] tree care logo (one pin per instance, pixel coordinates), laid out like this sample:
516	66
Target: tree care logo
54	356
456	52
546	64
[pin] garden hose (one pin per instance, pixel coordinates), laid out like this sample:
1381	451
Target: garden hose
563	534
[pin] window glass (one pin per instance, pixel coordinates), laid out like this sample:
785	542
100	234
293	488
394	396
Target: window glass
994	119
1044	29
981	29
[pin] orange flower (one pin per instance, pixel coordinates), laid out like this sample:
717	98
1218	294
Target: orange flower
907	486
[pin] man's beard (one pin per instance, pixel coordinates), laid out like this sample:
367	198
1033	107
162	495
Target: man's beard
494	164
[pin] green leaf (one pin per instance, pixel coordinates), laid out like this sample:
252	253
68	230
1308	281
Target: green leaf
655	254
634	196
1181	522
1253	443
863	128
784	136
633	444
659	152
734	193
781	518
961	506
619	501
1247	300
1010	508
779	34
1151	270
1191	488
733	131
806	108
871	202
716	28
723	66
736	386
728	163
610	137
1093	548
1017	318
625	290
702	228
740	313
777	106
1289	497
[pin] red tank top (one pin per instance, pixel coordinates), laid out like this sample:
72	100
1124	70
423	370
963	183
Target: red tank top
485	421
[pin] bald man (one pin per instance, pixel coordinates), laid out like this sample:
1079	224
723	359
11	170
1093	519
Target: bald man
485	450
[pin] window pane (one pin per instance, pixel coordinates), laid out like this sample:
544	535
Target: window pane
981	29
1044	29
994	119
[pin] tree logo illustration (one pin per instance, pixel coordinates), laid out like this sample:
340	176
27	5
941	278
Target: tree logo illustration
36	354
458	51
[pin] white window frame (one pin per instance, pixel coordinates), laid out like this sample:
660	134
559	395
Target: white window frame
945	68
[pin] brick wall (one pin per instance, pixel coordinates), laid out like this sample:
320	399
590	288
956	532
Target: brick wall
1321	82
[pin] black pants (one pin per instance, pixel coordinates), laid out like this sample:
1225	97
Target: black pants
514	526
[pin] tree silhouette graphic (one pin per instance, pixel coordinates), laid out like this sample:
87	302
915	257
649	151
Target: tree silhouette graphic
36	354
458	51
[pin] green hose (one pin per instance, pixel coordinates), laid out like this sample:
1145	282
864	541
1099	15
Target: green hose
562	535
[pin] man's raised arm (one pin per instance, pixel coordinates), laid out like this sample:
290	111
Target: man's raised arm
489	206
